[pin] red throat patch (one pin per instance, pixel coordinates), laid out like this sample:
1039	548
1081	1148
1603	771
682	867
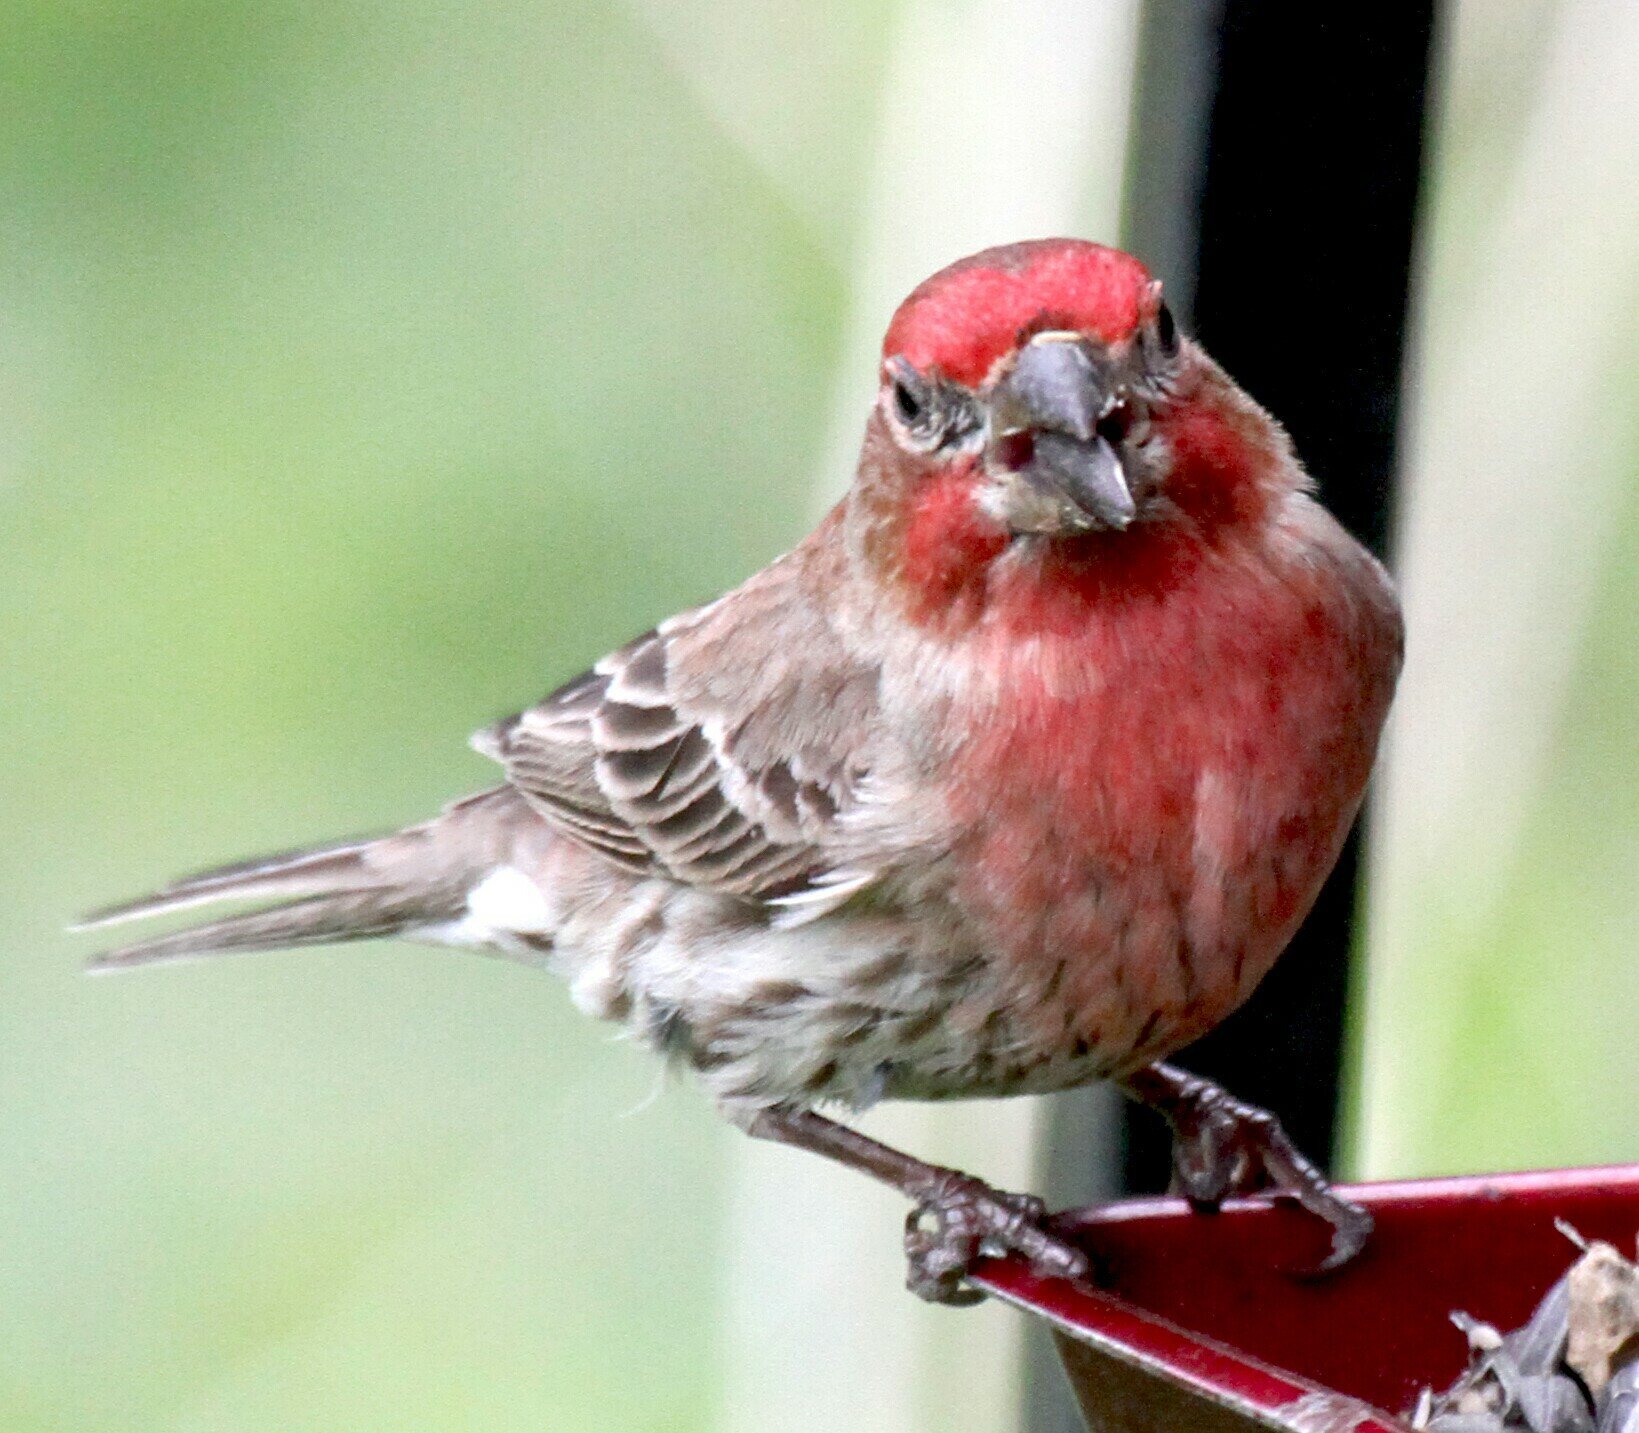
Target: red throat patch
967	316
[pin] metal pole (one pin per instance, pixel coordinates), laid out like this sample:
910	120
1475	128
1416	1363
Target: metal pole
1273	182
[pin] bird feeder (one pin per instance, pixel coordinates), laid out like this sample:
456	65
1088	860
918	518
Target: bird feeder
1198	1323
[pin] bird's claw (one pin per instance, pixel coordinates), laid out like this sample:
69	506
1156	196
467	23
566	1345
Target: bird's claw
960	1218
1223	1146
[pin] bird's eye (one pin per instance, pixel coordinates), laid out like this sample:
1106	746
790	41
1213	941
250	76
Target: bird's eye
924	411
913	395
909	405
1167	331
927	411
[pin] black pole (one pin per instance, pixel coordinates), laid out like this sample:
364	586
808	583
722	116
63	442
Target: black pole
1273	184
1308	177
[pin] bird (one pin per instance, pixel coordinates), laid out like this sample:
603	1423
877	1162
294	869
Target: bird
1017	773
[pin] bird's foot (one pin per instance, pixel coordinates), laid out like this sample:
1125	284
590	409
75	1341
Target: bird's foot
1223	1146
958	1218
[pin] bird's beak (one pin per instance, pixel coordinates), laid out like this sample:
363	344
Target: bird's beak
1061	474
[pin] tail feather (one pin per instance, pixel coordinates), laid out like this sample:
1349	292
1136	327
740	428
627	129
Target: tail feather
316	920
305	872
348	890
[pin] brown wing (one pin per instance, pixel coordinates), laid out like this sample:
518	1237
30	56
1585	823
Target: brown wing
720	748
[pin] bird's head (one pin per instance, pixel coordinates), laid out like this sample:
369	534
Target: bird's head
1041	394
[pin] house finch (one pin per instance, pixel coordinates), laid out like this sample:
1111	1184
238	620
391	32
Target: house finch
1017	773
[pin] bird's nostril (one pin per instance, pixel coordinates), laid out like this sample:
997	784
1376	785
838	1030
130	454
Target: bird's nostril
1113	426
1015	450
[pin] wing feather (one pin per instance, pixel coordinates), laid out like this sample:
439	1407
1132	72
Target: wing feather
721	749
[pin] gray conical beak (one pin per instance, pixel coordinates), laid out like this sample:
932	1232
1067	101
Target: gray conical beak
1091	475
1073	480
1054	384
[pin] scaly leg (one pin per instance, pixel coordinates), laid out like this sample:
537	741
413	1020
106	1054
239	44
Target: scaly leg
1222	1146
957	1217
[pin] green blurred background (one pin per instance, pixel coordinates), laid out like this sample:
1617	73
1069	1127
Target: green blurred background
365	370
368	369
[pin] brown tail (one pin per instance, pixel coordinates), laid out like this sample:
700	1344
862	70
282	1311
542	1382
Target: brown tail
350	890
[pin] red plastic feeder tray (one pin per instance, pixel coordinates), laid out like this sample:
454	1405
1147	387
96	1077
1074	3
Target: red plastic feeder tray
1197	1327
